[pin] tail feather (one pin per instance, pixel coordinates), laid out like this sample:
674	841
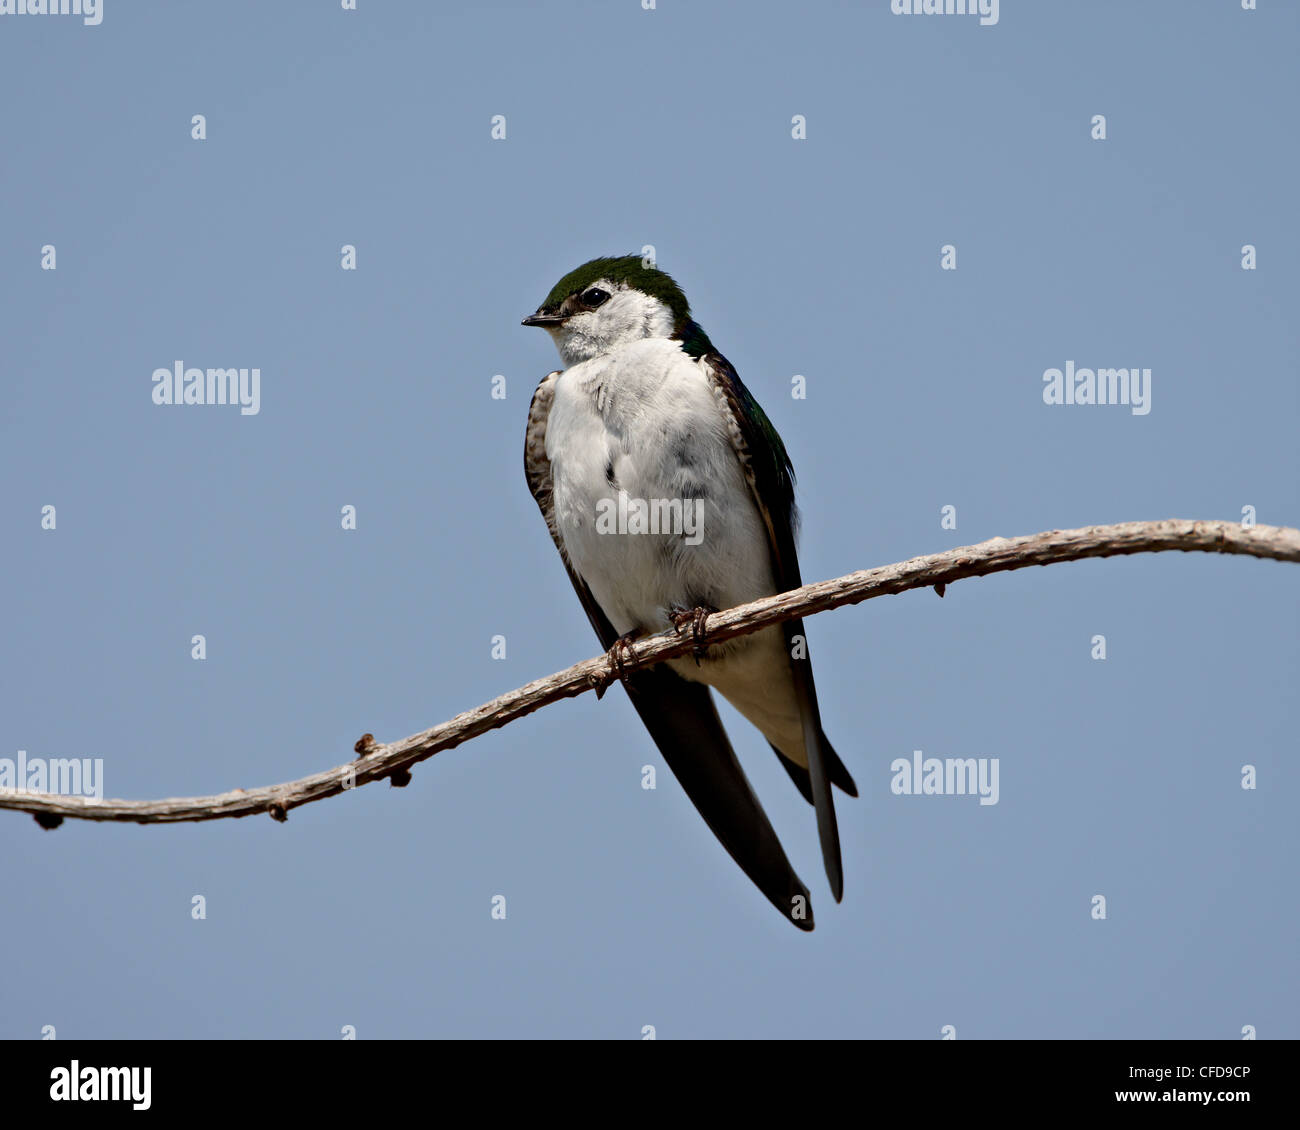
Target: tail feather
836	769
684	723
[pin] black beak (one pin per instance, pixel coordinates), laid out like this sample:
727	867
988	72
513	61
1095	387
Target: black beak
544	320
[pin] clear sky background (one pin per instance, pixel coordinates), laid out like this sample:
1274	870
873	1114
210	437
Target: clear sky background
819	257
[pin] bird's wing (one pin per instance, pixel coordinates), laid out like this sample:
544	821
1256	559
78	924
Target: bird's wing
681	718
537	470
768	470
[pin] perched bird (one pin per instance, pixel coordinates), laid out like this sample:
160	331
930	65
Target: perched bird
650	426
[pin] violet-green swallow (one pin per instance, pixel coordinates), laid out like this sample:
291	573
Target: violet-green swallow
670	495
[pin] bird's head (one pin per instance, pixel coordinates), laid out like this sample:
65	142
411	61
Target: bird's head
610	302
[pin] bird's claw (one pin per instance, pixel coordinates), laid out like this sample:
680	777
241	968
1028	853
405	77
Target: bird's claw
617	655
694	617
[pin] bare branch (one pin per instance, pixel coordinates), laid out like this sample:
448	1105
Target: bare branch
393	760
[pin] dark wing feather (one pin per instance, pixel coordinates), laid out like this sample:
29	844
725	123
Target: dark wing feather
682	720
767	467
537	470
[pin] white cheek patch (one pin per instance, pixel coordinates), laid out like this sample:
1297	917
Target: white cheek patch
627	316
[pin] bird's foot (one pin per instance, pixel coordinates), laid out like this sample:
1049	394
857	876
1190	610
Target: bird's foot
694	617
617	655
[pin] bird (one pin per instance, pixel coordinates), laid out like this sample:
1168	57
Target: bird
647	416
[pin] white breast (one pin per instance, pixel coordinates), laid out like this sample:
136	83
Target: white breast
647	416
648	413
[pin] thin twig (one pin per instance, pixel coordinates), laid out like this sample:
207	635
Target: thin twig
394	760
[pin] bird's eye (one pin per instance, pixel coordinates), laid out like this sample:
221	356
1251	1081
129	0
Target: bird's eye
594	296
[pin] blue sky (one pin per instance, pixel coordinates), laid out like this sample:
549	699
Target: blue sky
818	257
